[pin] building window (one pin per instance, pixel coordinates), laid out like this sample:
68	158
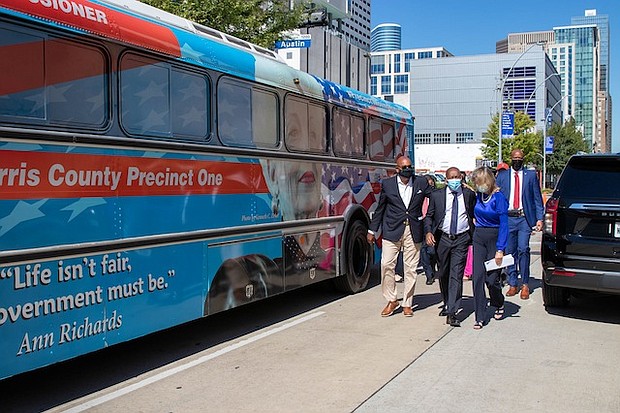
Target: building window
441	138
377	64
397	63
373	85
425	55
386	85
464	137
423	138
401	84
408	58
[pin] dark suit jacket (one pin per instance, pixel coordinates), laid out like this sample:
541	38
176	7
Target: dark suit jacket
533	207
437	211
391	213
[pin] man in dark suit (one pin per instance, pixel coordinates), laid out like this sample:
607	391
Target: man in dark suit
525	212
398	215
449	226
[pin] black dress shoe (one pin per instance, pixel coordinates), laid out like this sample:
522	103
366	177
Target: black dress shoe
443	313
430	281
453	321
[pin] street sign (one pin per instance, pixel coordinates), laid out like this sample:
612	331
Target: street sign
549	145
301	41
548	116
508	124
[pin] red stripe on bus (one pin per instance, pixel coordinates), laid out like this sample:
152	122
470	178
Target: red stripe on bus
101	20
36	175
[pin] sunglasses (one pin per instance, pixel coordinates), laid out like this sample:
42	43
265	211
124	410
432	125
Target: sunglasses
405	167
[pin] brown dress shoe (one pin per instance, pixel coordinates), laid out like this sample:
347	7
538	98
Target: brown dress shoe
408	311
512	291
525	292
390	308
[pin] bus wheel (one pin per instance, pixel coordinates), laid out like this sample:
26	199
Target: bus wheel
357	256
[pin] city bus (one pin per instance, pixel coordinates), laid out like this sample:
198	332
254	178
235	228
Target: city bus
154	171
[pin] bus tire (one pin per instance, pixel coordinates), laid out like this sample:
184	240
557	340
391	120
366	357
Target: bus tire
357	256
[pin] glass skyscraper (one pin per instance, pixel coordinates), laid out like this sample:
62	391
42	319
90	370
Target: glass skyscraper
602	22
585	59
385	37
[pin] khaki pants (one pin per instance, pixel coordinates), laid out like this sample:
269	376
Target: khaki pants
411	257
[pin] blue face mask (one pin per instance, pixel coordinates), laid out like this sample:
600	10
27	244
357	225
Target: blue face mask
454	184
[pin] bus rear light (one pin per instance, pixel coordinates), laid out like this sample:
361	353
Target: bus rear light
551	216
564	273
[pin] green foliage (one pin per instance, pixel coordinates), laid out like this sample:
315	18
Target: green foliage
567	142
530	143
257	21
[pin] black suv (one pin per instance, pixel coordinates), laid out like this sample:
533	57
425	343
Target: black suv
581	239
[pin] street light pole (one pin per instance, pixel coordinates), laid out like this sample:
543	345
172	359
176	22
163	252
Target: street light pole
534	91
501	99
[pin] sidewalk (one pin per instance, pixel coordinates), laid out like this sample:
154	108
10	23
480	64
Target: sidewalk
531	361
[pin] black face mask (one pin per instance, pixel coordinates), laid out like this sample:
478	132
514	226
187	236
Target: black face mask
517	164
406	173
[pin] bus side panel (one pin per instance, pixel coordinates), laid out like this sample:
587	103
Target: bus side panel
54	310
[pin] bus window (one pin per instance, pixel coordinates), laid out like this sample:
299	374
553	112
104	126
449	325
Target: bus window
306	126
52	81
348	134
145	107
381	140
246	116
190	112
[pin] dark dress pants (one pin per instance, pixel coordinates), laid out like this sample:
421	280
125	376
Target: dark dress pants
451	257
485	240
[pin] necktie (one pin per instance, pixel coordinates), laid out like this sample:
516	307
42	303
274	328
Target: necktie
515	202
454	220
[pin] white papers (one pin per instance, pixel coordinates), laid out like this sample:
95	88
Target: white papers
506	261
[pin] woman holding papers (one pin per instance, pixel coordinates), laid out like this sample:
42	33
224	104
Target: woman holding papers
490	238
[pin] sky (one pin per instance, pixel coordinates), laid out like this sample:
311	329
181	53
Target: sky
472	27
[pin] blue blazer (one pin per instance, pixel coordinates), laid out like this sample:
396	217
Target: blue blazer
391	213
531	196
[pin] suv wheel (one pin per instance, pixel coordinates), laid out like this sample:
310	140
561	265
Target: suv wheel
554	296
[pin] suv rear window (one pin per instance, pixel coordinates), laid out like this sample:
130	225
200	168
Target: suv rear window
591	178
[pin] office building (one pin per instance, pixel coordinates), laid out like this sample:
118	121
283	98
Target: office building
337	42
586	74
454	99
385	37
602	23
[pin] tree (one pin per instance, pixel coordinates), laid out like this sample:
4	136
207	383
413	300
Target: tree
530	143
567	141
257	21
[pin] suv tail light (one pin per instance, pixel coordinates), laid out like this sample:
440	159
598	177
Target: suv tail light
551	216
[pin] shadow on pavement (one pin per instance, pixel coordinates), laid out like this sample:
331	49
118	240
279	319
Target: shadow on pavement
596	307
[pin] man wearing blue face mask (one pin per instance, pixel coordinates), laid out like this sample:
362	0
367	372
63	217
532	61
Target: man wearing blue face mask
448	226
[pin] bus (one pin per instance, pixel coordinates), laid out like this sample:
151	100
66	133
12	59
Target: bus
154	171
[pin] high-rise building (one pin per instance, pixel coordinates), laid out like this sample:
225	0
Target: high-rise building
385	37
454	99
336	42
586	74
602	23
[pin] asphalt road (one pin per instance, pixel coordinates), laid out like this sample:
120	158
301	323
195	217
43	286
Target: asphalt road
316	350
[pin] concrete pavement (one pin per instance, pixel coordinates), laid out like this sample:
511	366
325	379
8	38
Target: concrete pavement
531	361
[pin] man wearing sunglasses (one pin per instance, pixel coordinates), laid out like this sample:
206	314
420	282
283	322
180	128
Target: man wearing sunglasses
398	216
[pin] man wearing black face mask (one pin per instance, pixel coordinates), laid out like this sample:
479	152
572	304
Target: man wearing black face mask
398	215
525	211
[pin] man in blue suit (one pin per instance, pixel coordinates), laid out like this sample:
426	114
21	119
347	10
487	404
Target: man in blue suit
525	212
399	216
